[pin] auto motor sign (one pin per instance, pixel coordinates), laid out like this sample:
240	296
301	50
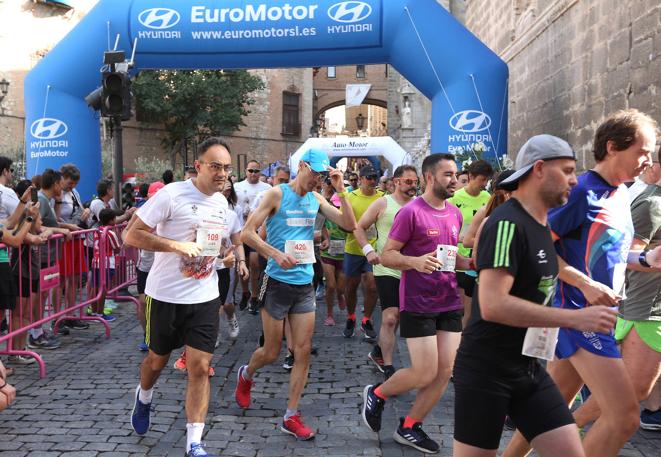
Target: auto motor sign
254	26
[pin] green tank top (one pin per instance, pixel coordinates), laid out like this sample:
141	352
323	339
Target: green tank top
383	226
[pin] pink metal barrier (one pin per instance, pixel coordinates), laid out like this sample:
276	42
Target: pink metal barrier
55	281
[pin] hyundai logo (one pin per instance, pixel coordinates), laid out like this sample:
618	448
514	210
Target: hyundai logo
48	128
349	11
470	121
159	18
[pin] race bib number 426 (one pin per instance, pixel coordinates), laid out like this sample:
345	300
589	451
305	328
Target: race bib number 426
301	250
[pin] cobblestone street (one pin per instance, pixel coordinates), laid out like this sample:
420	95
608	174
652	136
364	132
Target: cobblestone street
82	407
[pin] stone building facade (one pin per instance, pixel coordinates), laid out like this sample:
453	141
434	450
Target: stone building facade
572	62
262	138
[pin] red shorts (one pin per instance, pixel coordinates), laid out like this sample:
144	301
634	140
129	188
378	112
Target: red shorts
337	263
73	258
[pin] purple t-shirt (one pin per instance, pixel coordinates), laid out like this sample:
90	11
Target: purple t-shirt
422	228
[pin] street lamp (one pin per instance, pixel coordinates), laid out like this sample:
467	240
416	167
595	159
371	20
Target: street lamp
360	121
4	88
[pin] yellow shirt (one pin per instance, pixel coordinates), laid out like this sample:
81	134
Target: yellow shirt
359	203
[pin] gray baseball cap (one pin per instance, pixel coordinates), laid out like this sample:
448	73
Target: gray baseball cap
539	147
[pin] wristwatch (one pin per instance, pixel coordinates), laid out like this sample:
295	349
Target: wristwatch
30	219
642	259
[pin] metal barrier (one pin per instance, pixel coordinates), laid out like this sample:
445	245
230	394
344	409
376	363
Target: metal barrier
55	281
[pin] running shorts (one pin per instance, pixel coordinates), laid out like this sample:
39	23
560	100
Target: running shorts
280	299
335	263
223	284
142	280
388	288
355	265
417	325
648	331
570	341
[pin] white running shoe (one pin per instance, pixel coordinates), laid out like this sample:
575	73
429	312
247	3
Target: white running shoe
233	324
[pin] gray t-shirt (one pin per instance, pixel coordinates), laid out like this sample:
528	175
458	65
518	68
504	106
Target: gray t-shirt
48	219
643	300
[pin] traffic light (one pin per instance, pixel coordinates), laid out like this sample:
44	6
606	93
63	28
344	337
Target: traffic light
116	95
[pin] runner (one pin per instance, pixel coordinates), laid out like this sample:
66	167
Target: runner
496	372
593	236
470	199
423	244
355	264
381	213
246	192
289	211
191	222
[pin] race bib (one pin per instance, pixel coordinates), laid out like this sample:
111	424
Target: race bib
301	250
211	239
336	247
540	342
448	255
371	232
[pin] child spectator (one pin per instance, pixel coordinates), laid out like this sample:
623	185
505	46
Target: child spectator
107	219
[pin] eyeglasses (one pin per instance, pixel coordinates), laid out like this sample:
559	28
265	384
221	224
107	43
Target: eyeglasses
317	174
408	182
217	167
253	170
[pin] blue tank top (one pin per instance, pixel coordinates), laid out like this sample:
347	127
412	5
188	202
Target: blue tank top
293	221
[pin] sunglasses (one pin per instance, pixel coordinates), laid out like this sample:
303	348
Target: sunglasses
408	182
253	170
317	174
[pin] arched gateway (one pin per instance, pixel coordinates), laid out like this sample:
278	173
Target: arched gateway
466	81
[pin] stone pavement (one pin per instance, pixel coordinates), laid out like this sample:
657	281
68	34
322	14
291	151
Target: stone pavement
81	408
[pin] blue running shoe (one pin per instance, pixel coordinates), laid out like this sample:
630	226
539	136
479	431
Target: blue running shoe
650	420
140	415
372	408
196	450
143	346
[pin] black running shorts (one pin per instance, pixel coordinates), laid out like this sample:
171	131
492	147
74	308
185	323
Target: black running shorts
483	398
416	325
171	325
223	284
388	288
142	280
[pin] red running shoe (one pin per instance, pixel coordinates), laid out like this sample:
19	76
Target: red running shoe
242	391
295	426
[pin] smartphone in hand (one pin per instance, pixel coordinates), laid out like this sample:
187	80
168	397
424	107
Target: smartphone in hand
34	197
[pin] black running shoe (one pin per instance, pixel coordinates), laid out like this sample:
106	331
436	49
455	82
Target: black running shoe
415	437
76	324
388	371
244	301
349	328
369	334
253	308
372	408
289	361
376	357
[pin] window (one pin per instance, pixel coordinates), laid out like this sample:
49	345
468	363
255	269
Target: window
330	72
290	107
360	71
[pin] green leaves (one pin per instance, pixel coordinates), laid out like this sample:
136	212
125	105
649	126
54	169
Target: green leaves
195	103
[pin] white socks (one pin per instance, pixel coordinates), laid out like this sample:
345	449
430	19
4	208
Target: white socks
194	434
145	395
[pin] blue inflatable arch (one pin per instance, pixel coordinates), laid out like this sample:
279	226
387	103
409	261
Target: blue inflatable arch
466	81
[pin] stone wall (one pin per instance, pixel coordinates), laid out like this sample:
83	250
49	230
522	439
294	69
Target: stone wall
573	62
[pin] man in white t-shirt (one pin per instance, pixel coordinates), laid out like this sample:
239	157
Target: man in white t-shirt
191	222
8	198
246	193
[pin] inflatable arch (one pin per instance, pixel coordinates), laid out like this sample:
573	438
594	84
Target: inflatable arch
336	148
466	81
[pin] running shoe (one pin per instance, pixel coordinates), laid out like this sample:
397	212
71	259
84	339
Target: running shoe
140	414
320	292
376	357
143	346
388	371
108	317
62	330
180	363
349	328
369	334
43	343
650	420
329	321
233	324
244	301
21	360
372	408
75	324
242	391
295	426
196	450
289	361
415	437
253	308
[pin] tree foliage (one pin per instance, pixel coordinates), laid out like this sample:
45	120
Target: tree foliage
195	103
